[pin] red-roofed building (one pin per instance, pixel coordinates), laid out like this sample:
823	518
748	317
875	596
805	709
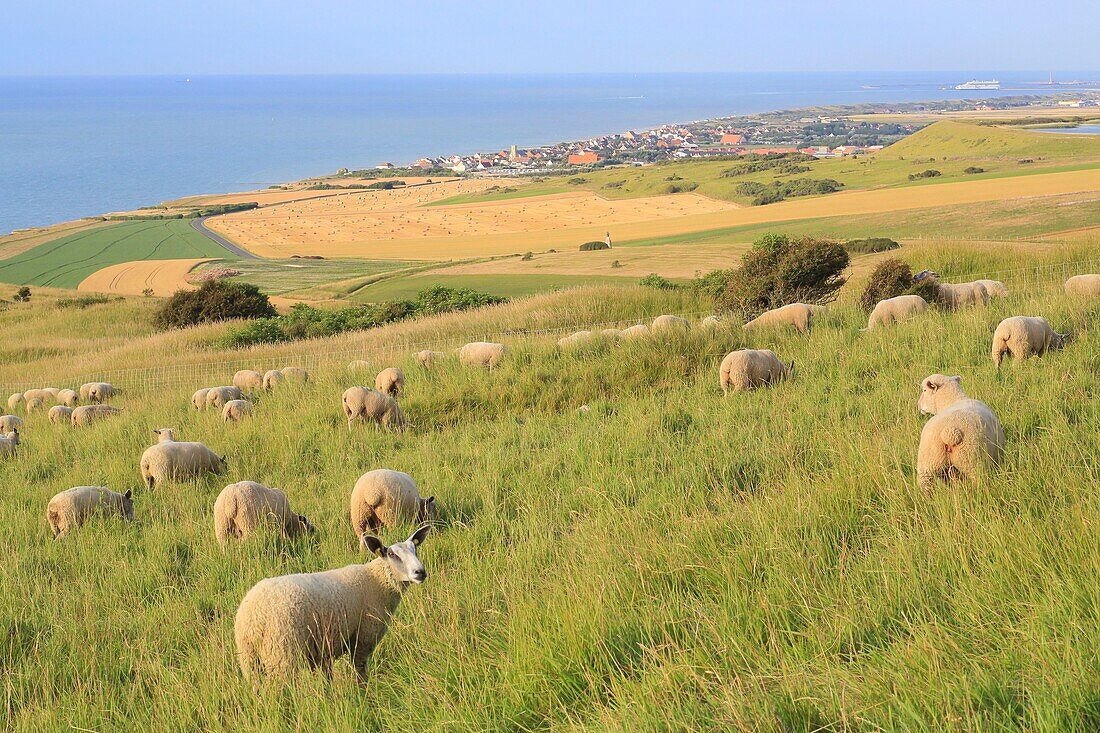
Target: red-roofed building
586	157
732	138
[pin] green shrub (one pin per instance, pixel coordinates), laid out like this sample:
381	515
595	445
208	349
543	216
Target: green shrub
528	256
762	194
870	245
83	301
653	280
22	295
577	181
930	173
594	245
973	169
891	278
214	300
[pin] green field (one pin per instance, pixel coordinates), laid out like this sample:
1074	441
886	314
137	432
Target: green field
509	286
278	277
65	262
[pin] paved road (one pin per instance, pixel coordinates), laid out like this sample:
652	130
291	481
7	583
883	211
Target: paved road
199	225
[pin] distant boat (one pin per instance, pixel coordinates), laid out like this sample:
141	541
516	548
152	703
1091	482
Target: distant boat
979	84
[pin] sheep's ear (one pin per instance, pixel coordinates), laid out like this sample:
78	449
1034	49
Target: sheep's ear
156	431
418	536
956	379
929	385
372	544
129	494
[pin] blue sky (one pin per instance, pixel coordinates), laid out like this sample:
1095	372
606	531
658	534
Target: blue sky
492	36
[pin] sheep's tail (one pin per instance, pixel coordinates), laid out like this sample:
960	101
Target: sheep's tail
952	436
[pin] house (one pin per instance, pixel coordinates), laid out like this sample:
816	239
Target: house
586	157
384	166
731	138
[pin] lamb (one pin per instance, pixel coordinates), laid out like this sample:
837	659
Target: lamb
246	507
390	381
179	461
799	315
9	423
87	414
8	443
670	323
427	357
955	296
272	379
963	437
198	400
236	410
638	331
893	310
1024	336
370	404
312	619
710	323
383	498
995	288
15	401
59	414
747	369
97	392
482	353
575	340
294	374
218	396
68	398
71	508
1083	285
248	380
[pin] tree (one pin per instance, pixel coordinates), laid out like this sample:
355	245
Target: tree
23	294
214	300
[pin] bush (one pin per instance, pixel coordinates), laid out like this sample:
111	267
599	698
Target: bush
870	245
892	278
973	169
214	300
616	264
528	256
577	181
83	301
930	173
22	295
770	193
779	270
591	246
653	280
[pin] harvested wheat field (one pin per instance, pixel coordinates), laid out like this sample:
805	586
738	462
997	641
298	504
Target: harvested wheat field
163	277
388	225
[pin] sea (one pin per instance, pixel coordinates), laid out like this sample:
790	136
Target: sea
80	146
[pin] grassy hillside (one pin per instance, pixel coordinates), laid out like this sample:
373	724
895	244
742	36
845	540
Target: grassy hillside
948	139
66	261
671	560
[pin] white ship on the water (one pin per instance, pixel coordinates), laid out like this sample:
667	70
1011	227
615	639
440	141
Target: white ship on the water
979	84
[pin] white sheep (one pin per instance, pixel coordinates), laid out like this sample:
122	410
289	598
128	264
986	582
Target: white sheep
747	369
294	374
957	295
165	435
638	331
799	315
312	619
71	508
60	414
198	400
370	404
1083	285
8	443
613	334
39	395
893	310
710	323
995	288
15	401
575	340
670	323
52	392
248	380
272	379
34	404
9	423
1024	336
217	396
68	397
87	414
427	357
482	353
963	436
391	381
236	410
384	498
97	392
178	461
246	507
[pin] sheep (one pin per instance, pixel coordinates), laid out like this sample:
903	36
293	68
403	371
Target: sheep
245	507
272	379
165	435
218	396
71	508
611	333
427	357
294	374
710	323
15	401
1024	336
481	353
995	288
957	295
85	390
963	436
52	392
198	400
312	619
670	323
236	410
97	392
638	331
34	404
390	381
8	443
247	380
747	369
799	315
68	398
59	414
1083	285
383	498
893	310
575	340
41	395
179	461
9	423
87	414
370	404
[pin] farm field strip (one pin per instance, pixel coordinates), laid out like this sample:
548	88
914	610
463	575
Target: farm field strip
163	277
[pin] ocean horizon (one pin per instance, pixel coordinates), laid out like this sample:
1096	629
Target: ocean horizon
82	146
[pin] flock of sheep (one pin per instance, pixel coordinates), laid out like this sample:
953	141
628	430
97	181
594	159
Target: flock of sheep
314	618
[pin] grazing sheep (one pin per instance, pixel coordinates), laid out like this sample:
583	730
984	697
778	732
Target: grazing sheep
747	369
9	423
34	404
1024	336
8	443
312	619
294	374
893	310
383	498
98	392
236	410
370	404
85	390
481	353
59	414
637	331
1083	285
247	380
272	379
390	381
72	507
87	414
15	401
710	323
963	436
165	435
799	315
179	461
217	396
68	398
611	333
995	288
575	340
670	323
245	507
41	395
52	392
198	400
427	357
955	296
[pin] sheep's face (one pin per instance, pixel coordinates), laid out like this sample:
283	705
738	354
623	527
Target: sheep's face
13	437
305	526
937	392
926	275
1059	340
128	505
401	558
427	510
